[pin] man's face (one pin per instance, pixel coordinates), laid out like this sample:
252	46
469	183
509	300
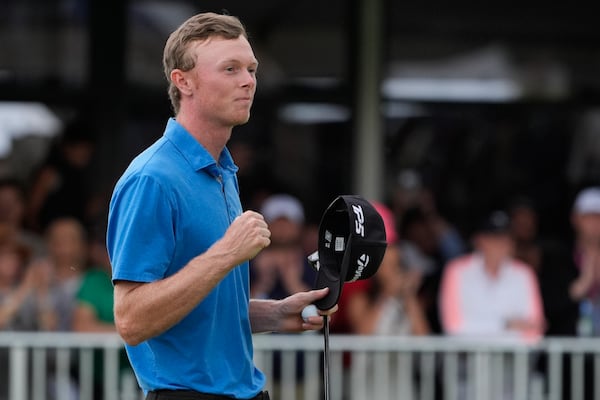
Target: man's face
495	245
66	242
223	81
587	227
11	206
285	233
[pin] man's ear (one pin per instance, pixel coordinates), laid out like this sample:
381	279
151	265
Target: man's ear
181	81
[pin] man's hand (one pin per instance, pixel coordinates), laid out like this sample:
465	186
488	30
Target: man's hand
588	275
286	315
524	325
247	235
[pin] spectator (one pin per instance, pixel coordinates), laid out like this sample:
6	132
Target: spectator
59	273
14	288
388	305
421	223
342	322
345	321
524	231
60	187
551	262
428	243
406	192
577	287
56	278
13	291
12	215
282	268
94	309
488	292
18	289
428	239
585	288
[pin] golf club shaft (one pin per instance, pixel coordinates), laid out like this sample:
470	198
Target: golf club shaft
326	387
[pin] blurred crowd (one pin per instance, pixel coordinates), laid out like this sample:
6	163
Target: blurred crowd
55	273
502	279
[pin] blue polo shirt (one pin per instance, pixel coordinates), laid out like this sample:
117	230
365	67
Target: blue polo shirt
171	204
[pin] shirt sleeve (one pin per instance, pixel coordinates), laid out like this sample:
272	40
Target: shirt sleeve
450	310
140	235
535	307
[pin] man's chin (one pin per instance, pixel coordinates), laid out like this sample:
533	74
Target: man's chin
241	120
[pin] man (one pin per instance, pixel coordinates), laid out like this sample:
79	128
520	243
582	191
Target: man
12	218
584	289
488	292
178	240
585	219
282	268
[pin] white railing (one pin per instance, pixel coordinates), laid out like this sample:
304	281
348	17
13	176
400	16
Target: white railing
60	366
41	366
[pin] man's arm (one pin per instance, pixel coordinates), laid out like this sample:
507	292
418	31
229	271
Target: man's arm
144	310
285	315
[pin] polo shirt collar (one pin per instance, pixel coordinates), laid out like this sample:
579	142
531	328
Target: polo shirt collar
195	154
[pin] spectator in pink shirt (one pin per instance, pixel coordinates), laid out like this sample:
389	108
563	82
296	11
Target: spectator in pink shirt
488	292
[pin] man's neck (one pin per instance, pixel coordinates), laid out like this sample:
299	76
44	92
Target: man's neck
213	138
492	265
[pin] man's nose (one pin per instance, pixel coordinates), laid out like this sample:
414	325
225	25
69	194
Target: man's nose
249	79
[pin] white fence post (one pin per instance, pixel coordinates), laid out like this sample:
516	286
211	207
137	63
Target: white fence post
18	373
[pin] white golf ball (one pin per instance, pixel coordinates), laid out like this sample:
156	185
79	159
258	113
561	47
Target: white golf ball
309	311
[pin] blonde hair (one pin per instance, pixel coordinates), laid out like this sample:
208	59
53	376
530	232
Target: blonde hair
197	28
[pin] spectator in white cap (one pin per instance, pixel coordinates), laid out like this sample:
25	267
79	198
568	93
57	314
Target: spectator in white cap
585	219
581	277
282	268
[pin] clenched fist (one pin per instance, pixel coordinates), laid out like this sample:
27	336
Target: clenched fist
246	237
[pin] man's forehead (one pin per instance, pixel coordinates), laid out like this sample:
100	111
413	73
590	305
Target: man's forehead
220	45
590	215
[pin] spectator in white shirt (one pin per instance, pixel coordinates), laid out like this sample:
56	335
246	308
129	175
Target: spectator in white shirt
488	292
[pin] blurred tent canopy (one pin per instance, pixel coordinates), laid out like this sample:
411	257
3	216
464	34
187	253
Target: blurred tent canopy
26	131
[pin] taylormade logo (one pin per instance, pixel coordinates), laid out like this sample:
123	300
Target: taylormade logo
359	226
361	264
